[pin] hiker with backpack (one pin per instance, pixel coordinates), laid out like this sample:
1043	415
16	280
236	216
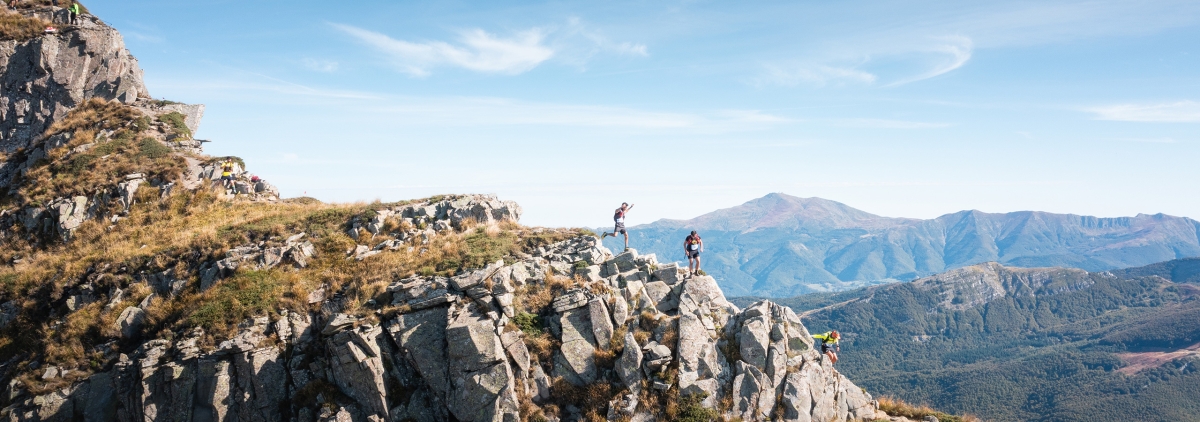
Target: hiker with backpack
227	173
829	344
619	219
692	246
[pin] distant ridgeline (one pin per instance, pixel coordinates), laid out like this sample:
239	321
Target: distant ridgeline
780	245
1012	344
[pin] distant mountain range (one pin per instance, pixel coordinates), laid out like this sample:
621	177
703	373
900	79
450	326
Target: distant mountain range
781	245
1025	344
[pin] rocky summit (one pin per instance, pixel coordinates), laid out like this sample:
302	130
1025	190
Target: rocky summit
451	354
137	285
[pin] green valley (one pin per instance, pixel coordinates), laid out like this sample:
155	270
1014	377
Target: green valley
1016	344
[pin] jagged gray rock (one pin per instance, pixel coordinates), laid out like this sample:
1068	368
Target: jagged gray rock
47	76
450	352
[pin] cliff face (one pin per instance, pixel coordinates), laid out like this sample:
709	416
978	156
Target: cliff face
627	325
44	78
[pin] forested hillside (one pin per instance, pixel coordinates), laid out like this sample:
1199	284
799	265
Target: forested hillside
1024	344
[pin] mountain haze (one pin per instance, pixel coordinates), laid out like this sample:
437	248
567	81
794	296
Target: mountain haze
780	245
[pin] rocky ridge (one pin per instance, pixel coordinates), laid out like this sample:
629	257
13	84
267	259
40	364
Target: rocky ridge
451	352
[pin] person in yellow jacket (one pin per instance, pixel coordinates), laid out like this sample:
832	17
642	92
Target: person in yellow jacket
227	172
829	344
74	9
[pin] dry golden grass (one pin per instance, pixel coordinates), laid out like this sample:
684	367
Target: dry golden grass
896	407
64	173
542	346
534	298
187	229
592	398
16	27
670	336
180	233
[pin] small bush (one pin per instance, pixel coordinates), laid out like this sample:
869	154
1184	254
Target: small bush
690	410
483	249
177	122
529	323
233	300
152	149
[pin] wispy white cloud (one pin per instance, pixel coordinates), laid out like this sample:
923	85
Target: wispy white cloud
752	116
889	124
575	26
475	111
477	50
949	55
1150	140
813	74
324	66
1174	112
896	62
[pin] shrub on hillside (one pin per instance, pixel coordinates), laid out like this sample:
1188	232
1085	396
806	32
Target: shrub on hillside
177	122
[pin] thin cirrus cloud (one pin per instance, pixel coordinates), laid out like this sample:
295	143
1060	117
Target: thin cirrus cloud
888	124
1173	112
817	75
324	66
893	64
476	50
457	111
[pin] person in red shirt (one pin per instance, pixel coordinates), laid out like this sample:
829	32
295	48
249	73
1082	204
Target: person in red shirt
619	219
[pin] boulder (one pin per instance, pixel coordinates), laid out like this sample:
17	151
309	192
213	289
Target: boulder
576	361
421	337
602	325
482	383
753	339
130	321
589	273
620	310
516	349
629	366
572	299
357	368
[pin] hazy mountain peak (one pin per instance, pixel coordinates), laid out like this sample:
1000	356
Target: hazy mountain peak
779	210
782	245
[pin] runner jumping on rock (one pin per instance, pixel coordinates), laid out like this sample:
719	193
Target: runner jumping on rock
692	246
829	344
619	219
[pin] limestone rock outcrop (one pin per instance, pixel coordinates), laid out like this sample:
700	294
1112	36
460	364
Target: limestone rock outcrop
43	78
451	352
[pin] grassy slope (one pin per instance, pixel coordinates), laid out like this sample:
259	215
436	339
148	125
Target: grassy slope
177	234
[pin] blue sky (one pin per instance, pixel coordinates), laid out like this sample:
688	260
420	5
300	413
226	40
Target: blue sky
904	109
